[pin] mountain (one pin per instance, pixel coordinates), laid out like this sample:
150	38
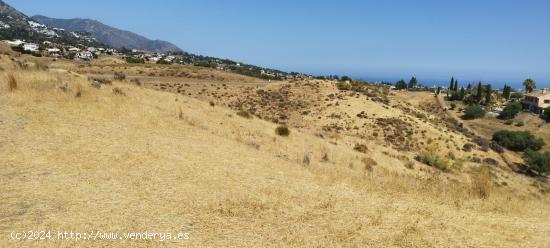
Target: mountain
108	35
16	25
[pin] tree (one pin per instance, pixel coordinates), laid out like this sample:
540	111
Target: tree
473	112
479	94
346	78
539	162
529	84
518	140
438	91
452	86
546	115
456	86
510	111
462	93
401	84
412	83
488	94
506	91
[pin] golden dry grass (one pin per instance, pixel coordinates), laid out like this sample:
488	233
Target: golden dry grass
157	161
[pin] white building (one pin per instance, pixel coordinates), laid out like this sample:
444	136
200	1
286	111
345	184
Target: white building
85	55
31	47
14	42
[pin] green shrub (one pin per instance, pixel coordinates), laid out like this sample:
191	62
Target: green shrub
518	140
539	162
546	115
433	160
520	124
508	122
473	112
510	111
282	131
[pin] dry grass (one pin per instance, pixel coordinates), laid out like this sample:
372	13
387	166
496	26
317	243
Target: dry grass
12	82
128	164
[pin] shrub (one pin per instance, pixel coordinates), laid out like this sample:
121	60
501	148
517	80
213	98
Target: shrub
433	160
453	106
343	86
118	91
482	184
244	114
136	81
518	140
468	147
282	131
12	82
539	162
508	122
212	104
546	115
119	76
520	124
361	148
473	112
497	148
510	111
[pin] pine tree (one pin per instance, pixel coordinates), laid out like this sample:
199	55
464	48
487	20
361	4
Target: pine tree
506	91
452	86
456	85
462	93
413	83
479	95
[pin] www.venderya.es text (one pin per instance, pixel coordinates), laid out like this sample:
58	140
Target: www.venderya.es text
32	235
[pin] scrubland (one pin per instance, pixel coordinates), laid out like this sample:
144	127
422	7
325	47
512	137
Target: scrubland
128	157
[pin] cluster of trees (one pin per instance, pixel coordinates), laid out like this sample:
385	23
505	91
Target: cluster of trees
524	141
402	85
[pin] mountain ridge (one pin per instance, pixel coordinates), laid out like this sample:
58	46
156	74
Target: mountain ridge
114	37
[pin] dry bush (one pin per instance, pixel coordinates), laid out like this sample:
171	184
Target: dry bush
369	164
78	91
119	76
306	160
12	82
136	81
482	184
244	114
118	91
361	148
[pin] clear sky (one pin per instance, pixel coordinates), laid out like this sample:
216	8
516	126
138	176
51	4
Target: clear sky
501	41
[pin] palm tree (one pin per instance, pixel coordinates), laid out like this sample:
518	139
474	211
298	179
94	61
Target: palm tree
529	85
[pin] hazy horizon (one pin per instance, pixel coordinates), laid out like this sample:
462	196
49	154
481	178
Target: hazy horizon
494	41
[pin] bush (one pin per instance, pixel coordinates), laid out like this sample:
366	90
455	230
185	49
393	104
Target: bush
244	114
518	140
539	162
343	86
361	148
132	60
520	124
510	111
119	76
433	160
12	82
508	122
282	131
546	115
473	112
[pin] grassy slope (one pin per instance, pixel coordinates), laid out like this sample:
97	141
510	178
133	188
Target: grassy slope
133	163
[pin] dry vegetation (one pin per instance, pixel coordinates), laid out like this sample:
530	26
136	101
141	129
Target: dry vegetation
79	153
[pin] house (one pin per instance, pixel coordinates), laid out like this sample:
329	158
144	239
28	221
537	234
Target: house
85	55
31	47
74	49
537	101
14	42
54	50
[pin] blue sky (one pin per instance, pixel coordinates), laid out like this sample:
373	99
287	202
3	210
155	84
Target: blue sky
495	41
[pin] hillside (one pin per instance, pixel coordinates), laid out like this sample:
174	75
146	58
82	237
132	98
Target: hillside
108	35
16	25
168	152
